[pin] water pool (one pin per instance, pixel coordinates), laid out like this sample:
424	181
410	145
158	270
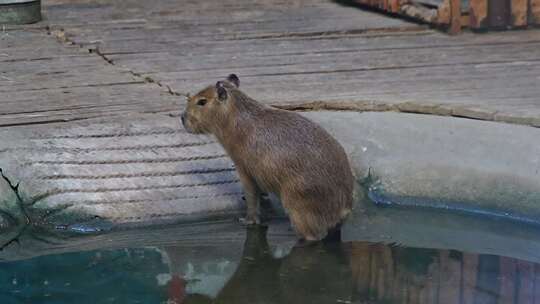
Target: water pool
230	264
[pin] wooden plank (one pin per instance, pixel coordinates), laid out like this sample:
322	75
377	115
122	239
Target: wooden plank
478	14
534	12
414	38
44	81
280	17
253	64
518	12
425	80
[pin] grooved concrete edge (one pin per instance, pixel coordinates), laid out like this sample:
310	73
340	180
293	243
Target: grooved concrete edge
452	163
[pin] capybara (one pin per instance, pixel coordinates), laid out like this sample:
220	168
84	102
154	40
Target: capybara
276	151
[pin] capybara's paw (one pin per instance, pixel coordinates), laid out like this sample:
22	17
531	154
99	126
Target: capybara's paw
249	220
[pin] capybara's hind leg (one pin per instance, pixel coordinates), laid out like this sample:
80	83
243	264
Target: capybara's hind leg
307	225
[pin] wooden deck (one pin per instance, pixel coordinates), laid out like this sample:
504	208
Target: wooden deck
138	56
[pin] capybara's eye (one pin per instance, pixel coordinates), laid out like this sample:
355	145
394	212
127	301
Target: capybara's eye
201	102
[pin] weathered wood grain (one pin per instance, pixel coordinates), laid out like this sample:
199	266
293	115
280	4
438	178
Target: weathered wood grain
478	14
455	17
519	10
320	52
42	80
444	14
534	12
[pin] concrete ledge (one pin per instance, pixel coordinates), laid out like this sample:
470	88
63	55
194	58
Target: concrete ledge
444	162
145	170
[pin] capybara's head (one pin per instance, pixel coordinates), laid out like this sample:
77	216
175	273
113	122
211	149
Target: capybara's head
209	107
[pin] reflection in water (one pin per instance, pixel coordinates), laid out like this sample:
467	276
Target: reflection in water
317	273
408	275
362	272
269	271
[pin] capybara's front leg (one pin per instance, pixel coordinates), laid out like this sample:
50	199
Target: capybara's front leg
252	194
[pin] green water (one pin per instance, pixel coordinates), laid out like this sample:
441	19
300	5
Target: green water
108	276
259	266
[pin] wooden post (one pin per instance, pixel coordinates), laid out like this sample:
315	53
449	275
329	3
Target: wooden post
518	10
534	12
394	6
385	5
478	14
443	13
455	17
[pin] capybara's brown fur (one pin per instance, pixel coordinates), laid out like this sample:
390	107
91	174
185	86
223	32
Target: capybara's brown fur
277	151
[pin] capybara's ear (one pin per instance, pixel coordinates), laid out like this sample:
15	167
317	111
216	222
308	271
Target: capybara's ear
234	80
221	91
